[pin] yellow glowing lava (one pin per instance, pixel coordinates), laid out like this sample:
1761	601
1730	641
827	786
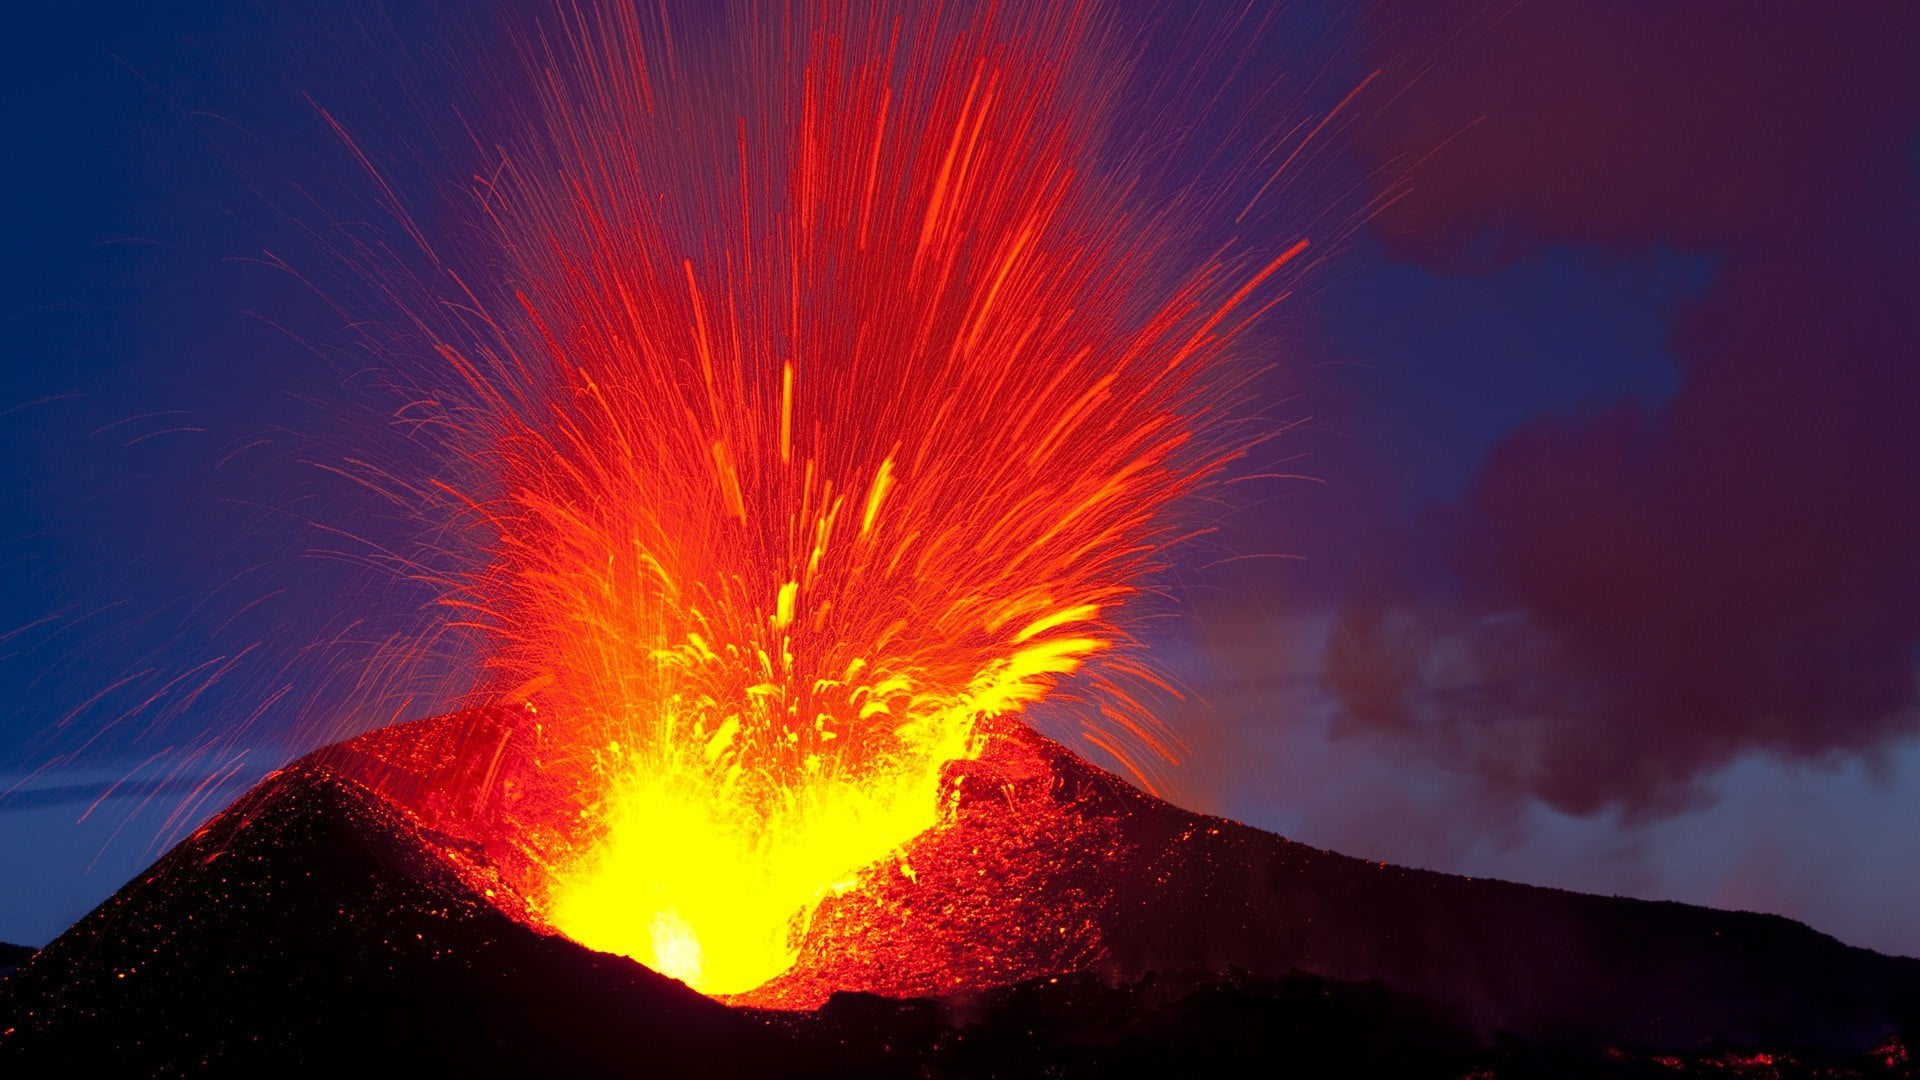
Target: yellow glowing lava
709	876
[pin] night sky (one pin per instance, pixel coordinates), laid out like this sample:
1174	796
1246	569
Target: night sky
1606	576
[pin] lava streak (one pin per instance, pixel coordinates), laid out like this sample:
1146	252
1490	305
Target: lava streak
834	397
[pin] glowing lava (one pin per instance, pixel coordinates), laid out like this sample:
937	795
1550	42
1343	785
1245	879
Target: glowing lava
829	405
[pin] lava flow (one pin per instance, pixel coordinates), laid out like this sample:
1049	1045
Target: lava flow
834	396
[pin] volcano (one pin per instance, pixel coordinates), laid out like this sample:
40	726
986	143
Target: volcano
351	912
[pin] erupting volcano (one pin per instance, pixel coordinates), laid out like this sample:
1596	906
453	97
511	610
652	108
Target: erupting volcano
807	429
820	393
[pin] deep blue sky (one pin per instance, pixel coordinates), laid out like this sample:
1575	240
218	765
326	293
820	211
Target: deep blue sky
166	395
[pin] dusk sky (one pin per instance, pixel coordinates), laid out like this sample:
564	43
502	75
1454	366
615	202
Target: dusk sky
1606	576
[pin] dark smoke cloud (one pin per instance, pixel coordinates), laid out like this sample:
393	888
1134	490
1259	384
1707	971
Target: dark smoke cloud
1629	598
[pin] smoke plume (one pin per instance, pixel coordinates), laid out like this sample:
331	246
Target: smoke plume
1633	596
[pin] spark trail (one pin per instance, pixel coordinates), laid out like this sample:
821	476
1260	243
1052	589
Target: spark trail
831	398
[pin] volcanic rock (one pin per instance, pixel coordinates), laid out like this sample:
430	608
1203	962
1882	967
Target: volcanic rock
1053	865
12	956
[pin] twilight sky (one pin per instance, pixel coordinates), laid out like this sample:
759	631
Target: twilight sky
1610	578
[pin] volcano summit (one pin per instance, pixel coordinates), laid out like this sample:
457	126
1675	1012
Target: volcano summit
352	911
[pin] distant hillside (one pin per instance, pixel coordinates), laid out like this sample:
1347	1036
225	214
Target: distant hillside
12	956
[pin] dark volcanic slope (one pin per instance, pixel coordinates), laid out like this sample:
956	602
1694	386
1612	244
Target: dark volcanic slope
312	927
1065	867
334	918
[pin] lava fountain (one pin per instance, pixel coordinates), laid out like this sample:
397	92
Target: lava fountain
831	394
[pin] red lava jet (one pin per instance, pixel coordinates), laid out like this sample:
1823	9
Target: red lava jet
817	421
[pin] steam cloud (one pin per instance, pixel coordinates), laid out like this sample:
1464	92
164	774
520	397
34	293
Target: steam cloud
1629	598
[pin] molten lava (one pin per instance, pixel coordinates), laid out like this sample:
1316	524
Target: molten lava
824	409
